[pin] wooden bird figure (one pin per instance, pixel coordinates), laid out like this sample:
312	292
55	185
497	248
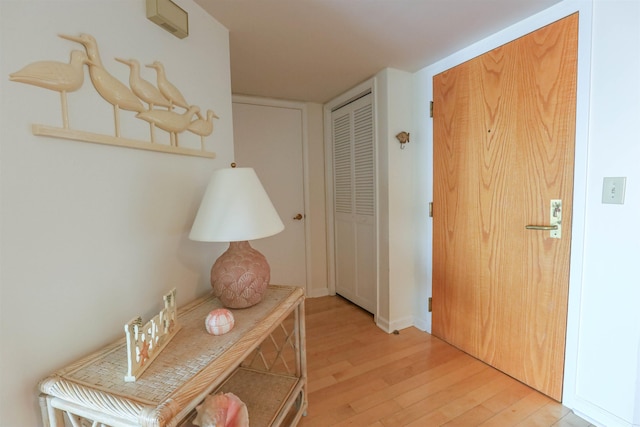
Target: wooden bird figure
203	127
167	88
111	89
56	76
144	90
169	121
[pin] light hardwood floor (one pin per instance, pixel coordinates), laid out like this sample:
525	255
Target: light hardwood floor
362	376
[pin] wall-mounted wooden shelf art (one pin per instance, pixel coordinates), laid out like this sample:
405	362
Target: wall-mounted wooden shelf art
166	108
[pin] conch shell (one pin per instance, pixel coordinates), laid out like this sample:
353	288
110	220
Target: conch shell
222	410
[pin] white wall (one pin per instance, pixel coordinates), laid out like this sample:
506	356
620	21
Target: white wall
606	385
93	235
602	378
396	191
423	195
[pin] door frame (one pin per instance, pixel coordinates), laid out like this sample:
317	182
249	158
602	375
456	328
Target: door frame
561	10
267	102
368	86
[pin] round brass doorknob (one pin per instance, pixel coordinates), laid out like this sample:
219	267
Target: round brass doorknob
298	217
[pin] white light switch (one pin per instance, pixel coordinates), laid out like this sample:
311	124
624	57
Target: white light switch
613	190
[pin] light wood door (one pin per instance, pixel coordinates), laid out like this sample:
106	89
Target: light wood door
269	139
504	127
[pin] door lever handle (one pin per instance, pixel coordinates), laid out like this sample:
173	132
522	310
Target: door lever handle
555	220
541	227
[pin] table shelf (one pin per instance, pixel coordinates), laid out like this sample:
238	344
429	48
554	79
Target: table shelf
271	398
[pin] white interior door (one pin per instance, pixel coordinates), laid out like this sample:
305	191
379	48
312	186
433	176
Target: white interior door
269	138
354	203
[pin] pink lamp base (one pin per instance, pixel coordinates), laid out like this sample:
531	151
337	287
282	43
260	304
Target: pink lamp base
240	276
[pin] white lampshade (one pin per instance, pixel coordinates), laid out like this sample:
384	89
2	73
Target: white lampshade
235	207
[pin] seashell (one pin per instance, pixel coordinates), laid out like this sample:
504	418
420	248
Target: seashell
222	410
219	321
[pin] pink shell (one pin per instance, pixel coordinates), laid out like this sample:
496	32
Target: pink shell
219	321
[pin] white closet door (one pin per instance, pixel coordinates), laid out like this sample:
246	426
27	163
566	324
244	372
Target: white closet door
354	203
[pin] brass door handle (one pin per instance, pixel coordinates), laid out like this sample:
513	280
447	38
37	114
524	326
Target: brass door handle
298	217
541	227
555	220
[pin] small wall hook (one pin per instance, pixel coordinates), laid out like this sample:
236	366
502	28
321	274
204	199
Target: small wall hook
403	137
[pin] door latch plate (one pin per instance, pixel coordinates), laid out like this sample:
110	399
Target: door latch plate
556	218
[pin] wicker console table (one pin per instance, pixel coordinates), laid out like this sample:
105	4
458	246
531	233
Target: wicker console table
262	360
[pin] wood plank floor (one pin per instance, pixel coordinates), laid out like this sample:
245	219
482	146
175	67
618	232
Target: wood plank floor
362	376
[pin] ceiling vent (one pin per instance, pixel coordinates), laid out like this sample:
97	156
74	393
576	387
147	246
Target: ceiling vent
169	16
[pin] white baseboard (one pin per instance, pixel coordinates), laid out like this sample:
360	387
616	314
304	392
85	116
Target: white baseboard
423	324
598	416
395	325
316	293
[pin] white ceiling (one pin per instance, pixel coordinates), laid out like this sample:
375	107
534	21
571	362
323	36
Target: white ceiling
314	50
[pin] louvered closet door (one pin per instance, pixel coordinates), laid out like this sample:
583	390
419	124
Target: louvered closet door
354	203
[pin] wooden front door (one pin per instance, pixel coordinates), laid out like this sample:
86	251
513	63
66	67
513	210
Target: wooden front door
504	130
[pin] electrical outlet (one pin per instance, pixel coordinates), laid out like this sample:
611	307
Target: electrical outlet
613	190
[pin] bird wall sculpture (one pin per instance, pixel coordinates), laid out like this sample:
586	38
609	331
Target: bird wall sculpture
111	89
167	88
202	126
56	76
161	100
144	90
170	121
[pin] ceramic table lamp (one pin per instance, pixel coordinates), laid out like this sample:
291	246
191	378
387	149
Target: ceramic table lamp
236	208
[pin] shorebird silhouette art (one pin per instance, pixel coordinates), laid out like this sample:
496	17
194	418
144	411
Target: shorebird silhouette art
202	126
111	89
144	90
57	76
167	89
170	121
